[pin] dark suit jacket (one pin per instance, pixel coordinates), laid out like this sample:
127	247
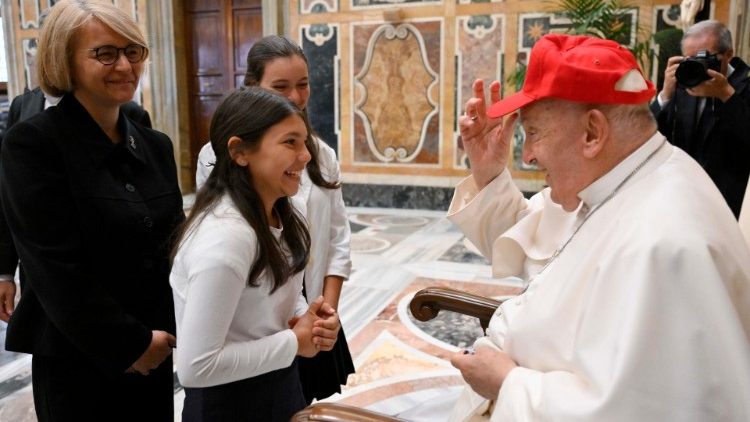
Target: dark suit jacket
23	107
720	139
92	221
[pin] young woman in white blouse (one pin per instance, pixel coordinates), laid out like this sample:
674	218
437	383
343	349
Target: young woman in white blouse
238	269
278	64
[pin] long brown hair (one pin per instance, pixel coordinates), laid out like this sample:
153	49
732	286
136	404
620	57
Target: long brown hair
248	113
270	48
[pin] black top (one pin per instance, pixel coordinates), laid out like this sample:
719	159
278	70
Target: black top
23	107
718	139
92	222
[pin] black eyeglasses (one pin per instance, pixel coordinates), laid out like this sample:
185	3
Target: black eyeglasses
109	54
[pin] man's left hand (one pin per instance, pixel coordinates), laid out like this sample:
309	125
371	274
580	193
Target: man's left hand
485	370
716	87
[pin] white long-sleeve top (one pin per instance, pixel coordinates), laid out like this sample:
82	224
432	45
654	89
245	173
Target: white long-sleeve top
325	212
227	330
645	316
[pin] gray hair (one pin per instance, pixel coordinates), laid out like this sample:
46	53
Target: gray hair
711	27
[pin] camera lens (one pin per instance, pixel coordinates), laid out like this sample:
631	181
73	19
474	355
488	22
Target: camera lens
691	72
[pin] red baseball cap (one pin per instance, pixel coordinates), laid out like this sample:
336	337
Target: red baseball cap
581	69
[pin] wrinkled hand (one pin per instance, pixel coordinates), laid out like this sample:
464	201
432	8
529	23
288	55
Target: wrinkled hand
302	326
326	328
716	87
486	141
7	299
160	348
670	80
484	371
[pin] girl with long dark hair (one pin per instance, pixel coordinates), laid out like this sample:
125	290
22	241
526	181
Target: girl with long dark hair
238	268
278	64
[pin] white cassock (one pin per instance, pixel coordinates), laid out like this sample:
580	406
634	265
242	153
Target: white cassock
644	316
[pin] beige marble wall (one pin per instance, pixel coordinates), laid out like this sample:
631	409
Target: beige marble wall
404	70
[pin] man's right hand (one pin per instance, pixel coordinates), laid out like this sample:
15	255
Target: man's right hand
670	80
486	140
160	348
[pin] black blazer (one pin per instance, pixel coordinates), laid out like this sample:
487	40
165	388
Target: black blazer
24	106
92	222
720	140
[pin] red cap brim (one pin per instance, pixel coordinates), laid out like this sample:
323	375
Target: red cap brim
509	104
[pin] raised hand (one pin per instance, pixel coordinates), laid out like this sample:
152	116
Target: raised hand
717	87
670	80
486	140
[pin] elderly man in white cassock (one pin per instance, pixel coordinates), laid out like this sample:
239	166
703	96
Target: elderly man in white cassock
638	299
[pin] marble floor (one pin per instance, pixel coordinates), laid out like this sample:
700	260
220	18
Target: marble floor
400	362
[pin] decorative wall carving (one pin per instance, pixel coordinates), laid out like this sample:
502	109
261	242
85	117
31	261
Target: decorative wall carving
397	94
370	3
380	139
318	6
320	43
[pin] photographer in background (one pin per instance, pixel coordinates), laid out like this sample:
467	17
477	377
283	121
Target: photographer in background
704	107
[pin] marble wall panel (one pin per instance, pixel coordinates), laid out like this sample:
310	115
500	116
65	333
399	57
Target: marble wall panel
379	3
480	43
29	62
533	26
318	6
30	12
380	104
396	90
320	43
666	18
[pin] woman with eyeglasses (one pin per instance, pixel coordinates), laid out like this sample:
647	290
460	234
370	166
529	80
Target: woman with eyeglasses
91	199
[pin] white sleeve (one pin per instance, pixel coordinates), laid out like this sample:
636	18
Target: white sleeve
206	160
660	342
339	256
204	356
484	215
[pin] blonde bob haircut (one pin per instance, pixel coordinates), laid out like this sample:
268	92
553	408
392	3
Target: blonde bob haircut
56	39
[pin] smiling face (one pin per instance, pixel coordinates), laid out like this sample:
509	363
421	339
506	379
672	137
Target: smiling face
96	84
288	76
554	138
276	164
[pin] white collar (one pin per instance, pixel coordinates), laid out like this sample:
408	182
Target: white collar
597	191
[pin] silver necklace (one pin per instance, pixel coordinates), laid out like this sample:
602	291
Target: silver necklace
594	210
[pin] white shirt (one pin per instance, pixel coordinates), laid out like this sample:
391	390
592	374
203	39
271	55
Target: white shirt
325	212
644	316
227	330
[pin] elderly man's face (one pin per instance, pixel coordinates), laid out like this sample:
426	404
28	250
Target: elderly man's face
554	130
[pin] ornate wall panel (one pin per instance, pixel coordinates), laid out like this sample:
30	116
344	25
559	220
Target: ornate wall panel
403	70
318	6
387	3
396	93
320	42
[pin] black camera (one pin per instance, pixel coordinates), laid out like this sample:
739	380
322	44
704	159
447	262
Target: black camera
693	70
